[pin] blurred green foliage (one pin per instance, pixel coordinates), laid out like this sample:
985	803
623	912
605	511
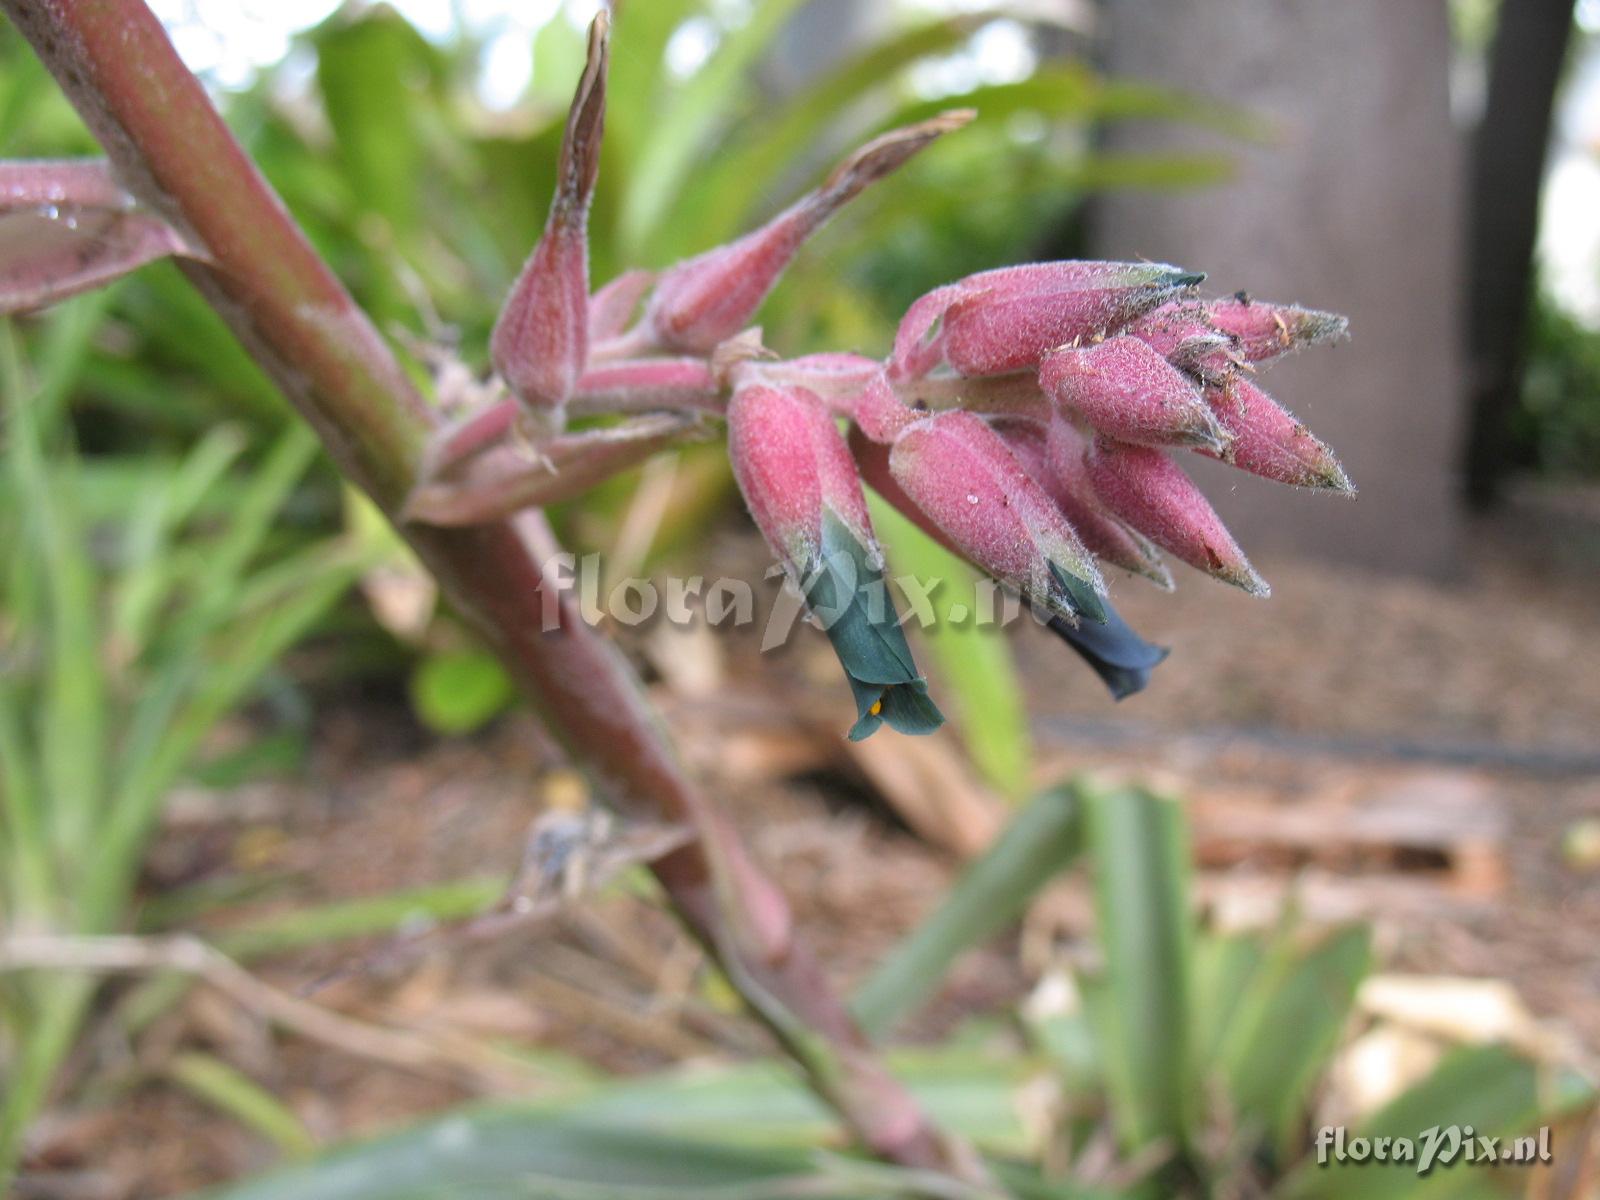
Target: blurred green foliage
1555	426
143	599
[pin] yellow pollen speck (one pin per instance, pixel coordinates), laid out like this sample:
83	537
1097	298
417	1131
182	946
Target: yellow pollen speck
877	707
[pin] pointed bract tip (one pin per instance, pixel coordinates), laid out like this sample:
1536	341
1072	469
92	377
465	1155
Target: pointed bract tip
1244	577
1333	479
882	155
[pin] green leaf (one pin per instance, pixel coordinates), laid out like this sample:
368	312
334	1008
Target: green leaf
742	1133
1225	965
1139	845
460	691
516	1154
1042	839
973	663
1492	1088
846	592
730	193
1288	1025
227	1088
688	121
314	925
370	71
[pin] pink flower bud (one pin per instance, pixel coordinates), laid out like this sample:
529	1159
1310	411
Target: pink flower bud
879	413
1007	320
800	481
1268	441
611	308
541	338
1056	460
1183	335
791	462
1149	491
1121	658
708	299
1125	389
958	471
1264	330
917	349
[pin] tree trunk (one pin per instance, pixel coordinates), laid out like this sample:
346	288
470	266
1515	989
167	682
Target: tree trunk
1507	170
1352	204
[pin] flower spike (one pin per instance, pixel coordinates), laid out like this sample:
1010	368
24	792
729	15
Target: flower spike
1150	492
798	478
707	299
541	338
958	470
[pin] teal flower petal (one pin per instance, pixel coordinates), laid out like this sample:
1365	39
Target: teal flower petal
848	594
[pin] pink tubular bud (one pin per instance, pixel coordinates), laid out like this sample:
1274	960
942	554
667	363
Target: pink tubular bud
707	299
541	338
1007	320
790	462
1126	390
611	308
1264	331
958	470
1268	441
916	343
1151	493
801	483
1057	462
879	413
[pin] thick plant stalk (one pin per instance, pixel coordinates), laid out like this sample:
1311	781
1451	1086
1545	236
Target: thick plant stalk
174	152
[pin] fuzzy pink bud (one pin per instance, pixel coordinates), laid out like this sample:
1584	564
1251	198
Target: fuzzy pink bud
1056	460
708	299
1149	491
541	338
1007	320
1264	330
611	308
1267	440
958	470
800	481
1125	389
